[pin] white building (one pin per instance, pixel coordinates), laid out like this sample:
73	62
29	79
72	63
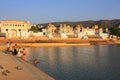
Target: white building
14	28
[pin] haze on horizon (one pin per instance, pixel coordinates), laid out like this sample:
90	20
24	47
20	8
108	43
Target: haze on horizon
43	11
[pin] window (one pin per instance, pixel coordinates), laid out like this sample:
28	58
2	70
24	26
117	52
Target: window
6	29
19	29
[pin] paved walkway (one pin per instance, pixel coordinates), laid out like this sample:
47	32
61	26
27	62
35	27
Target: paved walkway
14	68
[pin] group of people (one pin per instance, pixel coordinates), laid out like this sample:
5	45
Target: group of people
16	50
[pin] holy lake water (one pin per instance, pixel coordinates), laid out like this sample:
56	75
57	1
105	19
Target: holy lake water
95	62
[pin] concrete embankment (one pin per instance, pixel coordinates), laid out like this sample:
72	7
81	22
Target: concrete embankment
27	71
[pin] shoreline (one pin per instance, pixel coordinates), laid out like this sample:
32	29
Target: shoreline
67	43
61	43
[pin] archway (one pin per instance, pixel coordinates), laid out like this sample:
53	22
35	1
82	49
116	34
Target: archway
13	33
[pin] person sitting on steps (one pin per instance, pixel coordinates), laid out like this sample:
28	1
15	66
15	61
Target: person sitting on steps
15	49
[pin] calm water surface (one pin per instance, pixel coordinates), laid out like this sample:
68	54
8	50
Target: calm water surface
79	63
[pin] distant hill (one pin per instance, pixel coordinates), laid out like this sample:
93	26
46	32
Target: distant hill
100	23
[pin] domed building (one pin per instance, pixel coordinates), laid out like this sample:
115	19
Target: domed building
14	28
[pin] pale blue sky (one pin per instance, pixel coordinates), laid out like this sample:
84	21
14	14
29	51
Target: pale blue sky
42	11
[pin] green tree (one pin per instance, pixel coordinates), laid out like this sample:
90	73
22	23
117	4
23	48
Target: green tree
34	29
115	31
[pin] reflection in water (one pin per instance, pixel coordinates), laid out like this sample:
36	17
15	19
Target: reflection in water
79	63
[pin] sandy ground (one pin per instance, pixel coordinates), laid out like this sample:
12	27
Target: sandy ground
51	44
28	72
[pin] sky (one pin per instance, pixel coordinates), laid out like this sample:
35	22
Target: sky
43	11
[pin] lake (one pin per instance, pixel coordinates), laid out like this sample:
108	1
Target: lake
95	62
